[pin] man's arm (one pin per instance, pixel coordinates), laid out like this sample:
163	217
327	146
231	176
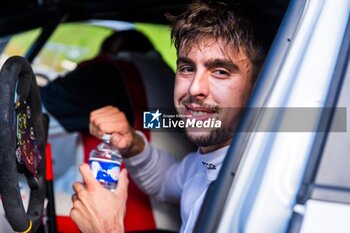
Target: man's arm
148	166
153	169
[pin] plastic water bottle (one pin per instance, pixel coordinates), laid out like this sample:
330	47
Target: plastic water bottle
105	161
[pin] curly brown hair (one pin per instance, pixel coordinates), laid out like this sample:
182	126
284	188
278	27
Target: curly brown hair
218	20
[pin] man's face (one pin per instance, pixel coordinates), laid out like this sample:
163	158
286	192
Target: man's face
213	80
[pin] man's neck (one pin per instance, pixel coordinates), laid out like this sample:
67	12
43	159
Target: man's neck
207	149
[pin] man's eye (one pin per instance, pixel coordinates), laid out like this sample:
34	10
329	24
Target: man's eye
186	69
221	73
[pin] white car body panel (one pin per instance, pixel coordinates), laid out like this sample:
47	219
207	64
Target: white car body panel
263	193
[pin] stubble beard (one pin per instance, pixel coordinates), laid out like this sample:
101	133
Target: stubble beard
206	137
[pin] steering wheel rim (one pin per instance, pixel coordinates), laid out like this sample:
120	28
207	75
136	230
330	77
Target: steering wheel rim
17	73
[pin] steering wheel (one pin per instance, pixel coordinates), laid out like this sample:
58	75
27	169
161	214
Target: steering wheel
22	144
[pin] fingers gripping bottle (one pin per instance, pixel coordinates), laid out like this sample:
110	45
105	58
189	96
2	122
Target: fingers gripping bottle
105	161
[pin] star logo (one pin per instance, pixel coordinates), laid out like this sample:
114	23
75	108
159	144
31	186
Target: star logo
151	120
156	115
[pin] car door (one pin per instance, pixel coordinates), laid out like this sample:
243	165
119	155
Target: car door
275	155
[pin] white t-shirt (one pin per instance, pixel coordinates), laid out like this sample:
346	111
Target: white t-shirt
158	174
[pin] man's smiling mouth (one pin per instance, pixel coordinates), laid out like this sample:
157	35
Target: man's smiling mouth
200	112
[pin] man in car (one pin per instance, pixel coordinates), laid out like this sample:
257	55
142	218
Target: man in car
218	62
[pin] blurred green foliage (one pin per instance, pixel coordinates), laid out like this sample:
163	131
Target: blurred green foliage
77	42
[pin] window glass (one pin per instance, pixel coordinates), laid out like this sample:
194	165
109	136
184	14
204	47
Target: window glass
17	44
159	35
72	43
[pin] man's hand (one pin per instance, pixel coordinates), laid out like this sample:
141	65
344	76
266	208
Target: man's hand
112	121
96	209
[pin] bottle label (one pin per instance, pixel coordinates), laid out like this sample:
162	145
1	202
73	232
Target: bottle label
105	170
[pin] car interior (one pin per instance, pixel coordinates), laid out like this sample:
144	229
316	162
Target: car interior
145	215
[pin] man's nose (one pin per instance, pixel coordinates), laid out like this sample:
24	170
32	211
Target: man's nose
200	86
